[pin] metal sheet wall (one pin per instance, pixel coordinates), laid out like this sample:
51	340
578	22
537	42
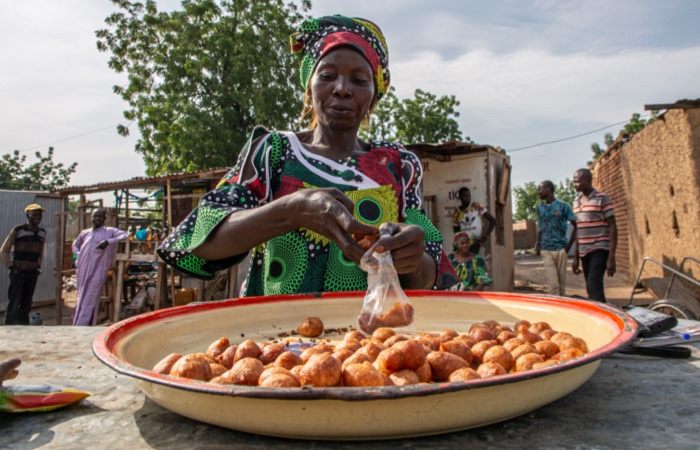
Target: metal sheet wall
12	204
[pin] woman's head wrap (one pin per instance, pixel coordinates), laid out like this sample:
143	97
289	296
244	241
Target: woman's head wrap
317	37
462	235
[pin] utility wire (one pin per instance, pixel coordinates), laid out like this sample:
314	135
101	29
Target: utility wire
571	137
74	137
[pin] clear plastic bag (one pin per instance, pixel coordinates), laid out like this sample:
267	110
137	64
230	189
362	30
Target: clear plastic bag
385	304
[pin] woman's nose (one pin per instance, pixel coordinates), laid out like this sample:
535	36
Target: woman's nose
341	87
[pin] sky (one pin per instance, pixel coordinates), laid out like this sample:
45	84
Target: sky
525	72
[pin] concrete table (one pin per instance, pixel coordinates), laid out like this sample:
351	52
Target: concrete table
631	402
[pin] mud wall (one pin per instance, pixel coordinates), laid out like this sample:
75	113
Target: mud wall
654	180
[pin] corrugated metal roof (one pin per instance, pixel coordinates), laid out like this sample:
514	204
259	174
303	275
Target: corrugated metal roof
176	179
444	151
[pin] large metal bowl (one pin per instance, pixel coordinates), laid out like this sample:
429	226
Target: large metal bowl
133	346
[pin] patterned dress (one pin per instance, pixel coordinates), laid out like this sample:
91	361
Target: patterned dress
383	183
472	272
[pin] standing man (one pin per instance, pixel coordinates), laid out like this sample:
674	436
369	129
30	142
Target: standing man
26	242
596	237
95	248
468	219
552	244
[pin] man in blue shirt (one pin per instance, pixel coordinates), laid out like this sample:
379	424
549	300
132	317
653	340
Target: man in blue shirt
552	244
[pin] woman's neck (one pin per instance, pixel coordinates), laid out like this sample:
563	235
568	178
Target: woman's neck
464	258
333	144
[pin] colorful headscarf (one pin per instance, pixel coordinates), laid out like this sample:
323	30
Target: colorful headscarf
316	37
462	235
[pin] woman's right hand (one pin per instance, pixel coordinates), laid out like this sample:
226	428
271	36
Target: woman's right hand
329	212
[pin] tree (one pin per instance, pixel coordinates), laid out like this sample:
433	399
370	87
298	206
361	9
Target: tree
635	125
526	201
565	191
43	175
201	78
424	118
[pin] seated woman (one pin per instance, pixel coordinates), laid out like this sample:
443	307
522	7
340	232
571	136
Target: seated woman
301	201
470	266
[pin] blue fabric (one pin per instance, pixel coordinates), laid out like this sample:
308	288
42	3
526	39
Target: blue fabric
552	220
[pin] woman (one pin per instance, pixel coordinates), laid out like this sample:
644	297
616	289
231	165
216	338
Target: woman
470	266
297	199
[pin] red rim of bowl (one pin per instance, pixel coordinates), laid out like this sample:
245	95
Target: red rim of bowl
104	344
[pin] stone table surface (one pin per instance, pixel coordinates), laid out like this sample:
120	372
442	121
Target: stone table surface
630	402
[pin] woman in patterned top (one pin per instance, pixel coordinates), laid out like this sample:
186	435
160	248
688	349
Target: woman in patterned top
297	199
470	266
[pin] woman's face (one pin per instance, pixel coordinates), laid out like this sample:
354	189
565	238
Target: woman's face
463	246
342	89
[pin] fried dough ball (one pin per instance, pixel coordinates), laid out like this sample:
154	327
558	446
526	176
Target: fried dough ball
271	352
465	374
192	366
413	353
165	365
315	350
501	328
424	372
288	360
426	342
219	380
499	355
226	359
246	371
442	364
311	327
389	360
207	358
394	339
372	350
351	344
341	354
457	348
492	324
280	380
321	370
357	358
490	370
478	325
512	343
546	335
569	353
523	350
468	340
504	335
398	316
546	349
218	347
574	342
296	371
482	334
539	327
479	349
557	338
551	362
520	324
526	361
217	370
529	336
247	349
363	374
275	370
383	333
387	380
404	377
354	334
365	241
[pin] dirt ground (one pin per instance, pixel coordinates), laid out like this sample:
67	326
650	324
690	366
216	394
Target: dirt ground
529	278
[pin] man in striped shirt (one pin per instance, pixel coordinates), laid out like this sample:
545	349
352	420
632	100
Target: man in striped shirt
596	237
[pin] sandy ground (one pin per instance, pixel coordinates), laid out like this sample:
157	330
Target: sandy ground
529	278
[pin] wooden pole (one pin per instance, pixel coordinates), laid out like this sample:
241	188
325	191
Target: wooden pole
126	212
171	228
60	244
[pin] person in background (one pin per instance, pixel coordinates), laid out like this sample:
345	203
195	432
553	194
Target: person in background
303	201
469	219
552	245
23	252
596	235
95	248
469	265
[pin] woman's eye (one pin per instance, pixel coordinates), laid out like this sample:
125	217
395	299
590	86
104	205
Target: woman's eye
361	81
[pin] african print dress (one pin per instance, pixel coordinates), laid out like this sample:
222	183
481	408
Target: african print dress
383	183
472	272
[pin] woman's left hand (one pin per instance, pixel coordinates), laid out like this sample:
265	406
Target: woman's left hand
406	244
